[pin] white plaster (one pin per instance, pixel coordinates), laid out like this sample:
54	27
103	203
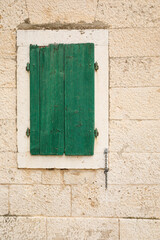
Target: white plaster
45	37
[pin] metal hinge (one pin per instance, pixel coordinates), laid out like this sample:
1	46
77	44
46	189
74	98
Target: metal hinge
28	67
28	132
96	67
96	133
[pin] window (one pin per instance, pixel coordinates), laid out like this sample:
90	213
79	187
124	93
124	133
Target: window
63	113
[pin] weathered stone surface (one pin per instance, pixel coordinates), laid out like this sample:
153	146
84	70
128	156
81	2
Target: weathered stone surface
8	160
7	103
84	177
135	71
139	229
134	42
117	201
12	13
14	175
134	168
135	103
134	136
70	11
7	45
7	72
133	13
52	177
16	228
7	135
40	200
82	228
3	200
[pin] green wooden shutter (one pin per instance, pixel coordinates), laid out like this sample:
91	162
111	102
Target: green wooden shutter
79	99
62	99
51	101
34	100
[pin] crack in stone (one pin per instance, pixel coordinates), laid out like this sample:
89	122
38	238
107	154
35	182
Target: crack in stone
27	20
96	10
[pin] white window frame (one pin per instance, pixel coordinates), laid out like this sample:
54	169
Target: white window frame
44	38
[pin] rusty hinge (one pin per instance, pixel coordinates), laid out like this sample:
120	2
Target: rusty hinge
96	67
28	132
96	133
28	67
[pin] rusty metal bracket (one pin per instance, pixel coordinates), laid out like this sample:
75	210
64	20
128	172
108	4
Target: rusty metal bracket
106	169
28	67
96	133
28	132
96	67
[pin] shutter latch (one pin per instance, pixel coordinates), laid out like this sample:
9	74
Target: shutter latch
96	133
28	67
28	132
96	67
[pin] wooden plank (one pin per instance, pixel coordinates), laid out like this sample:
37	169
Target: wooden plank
34	100
52	100
79	99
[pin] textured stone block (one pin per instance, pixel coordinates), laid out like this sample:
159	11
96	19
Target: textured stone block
133	13
16	228
117	201
7	45
135	103
70	11
139	229
7	72
12	13
14	175
3	200
8	160
52	176
40	200
134	168
135	71
7	135
7	103
82	228
134	136
134	42
84	177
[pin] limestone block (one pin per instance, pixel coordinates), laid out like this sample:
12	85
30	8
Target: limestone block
7	72
40	200
117	201
133	13
134	168
135	71
7	45
135	103
134	42
52	176
7	135
139	229
70	11
3	200
84	177
12	13
7	103
26	228
82	228
134	136
8	160
14	175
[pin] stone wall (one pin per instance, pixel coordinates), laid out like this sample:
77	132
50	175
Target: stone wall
73	204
